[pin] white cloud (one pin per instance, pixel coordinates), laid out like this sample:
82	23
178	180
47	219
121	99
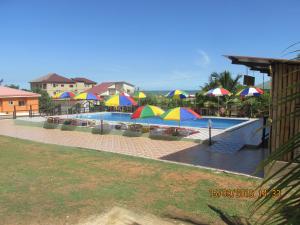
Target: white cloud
203	58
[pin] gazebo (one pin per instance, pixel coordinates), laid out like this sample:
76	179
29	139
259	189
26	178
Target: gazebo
285	75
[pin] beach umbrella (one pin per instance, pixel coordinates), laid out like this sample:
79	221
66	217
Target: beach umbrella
177	94
120	100
125	94
139	95
147	111
180	114
217	92
250	91
63	95
87	96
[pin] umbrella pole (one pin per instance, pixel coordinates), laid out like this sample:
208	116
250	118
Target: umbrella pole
250	110
218	105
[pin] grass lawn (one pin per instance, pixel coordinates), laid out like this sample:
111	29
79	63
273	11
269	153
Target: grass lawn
51	184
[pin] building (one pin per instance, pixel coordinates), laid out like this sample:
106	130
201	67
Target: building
285	78
21	101
54	83
112	88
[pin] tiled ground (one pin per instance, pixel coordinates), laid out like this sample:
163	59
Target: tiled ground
138	146
215	156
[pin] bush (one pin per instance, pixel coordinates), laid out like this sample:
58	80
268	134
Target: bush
67	122
50	125
106	129
68	127
145	129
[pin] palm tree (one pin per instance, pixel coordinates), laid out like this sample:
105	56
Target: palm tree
224	79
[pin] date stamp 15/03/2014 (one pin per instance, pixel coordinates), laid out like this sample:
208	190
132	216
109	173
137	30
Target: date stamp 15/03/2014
243	193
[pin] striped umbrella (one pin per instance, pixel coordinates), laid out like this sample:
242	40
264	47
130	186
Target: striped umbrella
177	94
139	95
120	100
125	94
147	111
180	114
87	96
63	95
217	92
250	91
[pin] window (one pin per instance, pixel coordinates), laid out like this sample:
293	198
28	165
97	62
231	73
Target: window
71	85
62	85
44	86
11	103
128	91
22	103
54	85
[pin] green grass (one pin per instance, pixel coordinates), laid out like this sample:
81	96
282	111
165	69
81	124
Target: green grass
41	183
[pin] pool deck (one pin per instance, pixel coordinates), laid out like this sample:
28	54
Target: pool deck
244	161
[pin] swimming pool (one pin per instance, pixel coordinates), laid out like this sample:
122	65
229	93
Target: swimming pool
217	123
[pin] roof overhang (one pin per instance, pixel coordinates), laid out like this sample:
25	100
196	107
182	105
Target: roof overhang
19	96
262	65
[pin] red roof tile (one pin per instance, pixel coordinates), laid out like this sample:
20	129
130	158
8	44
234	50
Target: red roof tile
84	80
52	78
6	92
100	88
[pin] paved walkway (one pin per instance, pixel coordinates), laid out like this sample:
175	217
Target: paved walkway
215	156
137	146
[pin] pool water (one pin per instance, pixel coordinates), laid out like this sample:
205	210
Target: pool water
217	123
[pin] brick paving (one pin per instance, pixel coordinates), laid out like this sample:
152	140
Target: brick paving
137	146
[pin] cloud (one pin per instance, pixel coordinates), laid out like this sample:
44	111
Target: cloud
203	58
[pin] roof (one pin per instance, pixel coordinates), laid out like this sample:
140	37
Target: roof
6	92
84	80
52	78
259	64
103	87
100	88
123	82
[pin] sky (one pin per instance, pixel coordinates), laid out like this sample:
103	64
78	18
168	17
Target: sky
154	44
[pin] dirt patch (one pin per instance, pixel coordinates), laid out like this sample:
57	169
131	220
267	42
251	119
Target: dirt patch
121	216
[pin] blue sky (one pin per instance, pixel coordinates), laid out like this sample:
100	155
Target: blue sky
155	44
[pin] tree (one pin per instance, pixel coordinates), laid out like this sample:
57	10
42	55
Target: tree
46	104
13	86
224	80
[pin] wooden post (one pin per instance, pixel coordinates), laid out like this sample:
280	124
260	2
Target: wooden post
209	131
101	127
30	111
15	113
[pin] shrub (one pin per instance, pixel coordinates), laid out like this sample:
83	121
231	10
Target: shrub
106	129
68	127
50	125
67	122
145	129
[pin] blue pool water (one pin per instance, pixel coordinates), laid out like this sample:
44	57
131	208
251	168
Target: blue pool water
217	123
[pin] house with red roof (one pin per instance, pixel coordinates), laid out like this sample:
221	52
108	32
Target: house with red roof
22	101
111	88
54	83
